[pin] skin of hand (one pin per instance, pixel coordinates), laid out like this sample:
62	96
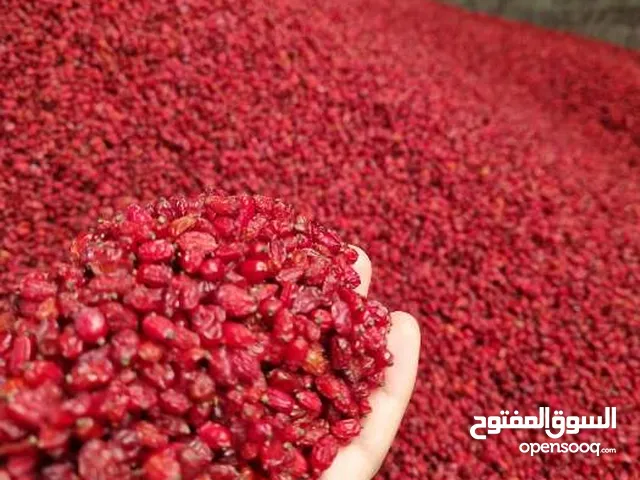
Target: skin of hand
361	459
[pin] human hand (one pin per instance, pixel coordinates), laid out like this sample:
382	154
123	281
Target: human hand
361	459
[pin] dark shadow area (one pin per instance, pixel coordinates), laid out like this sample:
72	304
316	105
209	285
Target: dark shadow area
616	21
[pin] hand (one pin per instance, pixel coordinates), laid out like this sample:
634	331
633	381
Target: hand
361	459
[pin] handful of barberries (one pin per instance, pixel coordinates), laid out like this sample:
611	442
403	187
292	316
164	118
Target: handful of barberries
208	338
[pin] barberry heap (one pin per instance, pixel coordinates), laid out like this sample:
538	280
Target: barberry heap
215	337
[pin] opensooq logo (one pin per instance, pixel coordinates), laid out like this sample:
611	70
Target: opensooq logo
559	423
555	427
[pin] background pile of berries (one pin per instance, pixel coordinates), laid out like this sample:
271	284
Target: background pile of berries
489	169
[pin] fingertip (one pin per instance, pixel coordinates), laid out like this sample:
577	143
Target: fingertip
362	458
404	344
405	330
363	268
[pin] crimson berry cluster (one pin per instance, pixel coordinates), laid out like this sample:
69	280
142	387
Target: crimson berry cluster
217	337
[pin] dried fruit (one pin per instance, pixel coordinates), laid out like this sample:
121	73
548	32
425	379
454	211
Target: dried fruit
90	325
323	453
346	429
216	436
489	169
174	374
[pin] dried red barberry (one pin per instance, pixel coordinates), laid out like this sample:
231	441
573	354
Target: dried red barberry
90	325
494	184
166	371
215	435
323	453
162	466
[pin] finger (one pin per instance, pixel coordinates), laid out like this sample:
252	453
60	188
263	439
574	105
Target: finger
404	343
361	459
363	268
390	402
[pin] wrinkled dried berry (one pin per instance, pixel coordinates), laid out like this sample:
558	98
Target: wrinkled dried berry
90	325
323	453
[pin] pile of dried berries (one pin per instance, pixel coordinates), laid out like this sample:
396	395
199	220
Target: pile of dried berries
489	169
200	338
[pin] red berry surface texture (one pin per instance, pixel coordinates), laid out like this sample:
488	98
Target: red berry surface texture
489	169
135	359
